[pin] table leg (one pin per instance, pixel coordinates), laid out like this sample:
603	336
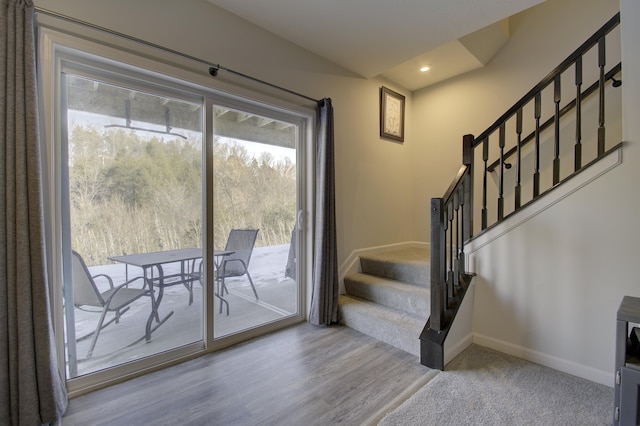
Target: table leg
219	281
218	294
189	277
155	303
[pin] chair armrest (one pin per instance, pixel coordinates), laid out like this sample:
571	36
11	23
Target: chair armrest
106	276
224	265
235	260
144	282
107	301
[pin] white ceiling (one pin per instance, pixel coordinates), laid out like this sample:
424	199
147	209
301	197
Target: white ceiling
389	38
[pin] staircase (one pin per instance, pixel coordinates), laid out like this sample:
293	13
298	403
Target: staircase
512	150
389	299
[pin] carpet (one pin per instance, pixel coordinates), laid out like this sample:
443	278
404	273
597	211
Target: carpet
485	387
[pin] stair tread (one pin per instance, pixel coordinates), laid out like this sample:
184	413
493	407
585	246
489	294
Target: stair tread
377	280
411	255
389	325
405	297
409	265
389	299
390	312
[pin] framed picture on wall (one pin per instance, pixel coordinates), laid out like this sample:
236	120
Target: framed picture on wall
391	115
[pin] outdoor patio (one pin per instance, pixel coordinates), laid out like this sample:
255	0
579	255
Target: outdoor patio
124	341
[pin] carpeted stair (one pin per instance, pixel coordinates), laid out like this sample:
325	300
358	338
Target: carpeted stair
389	299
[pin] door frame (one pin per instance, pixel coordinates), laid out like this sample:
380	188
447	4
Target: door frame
60	41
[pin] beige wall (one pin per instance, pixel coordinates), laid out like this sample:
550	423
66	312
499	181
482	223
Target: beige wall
383	188
541	38
374	180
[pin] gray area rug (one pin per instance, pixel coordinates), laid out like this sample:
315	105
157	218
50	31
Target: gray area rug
485	387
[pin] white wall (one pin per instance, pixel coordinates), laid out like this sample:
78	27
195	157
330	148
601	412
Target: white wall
374	182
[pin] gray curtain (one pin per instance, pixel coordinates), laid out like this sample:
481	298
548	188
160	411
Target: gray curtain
31	388
324	298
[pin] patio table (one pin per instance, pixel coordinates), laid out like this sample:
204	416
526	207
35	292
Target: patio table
218	257
156	261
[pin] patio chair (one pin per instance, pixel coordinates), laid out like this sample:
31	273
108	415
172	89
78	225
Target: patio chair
240	242
115	299
290	268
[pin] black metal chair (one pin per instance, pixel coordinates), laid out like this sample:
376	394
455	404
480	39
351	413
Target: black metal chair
86	294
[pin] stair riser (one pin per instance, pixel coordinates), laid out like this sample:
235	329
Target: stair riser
418	274
397	330
413	300
389	299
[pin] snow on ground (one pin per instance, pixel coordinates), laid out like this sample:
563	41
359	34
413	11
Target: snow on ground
122	342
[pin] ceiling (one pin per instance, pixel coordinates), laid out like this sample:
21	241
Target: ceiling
390	38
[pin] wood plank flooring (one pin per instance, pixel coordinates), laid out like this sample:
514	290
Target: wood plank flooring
302	375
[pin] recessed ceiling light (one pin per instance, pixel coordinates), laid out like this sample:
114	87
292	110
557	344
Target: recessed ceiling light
424	69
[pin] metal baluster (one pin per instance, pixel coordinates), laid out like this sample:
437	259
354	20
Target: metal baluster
446	256
578	146
601	64
501	141
451	248
518	201
556	145
485	158
536	167
467	196
456	269
463	191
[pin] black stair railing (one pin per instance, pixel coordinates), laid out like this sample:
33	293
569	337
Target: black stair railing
454	217
539	117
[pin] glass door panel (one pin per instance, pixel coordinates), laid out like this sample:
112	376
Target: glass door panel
133	187
255	189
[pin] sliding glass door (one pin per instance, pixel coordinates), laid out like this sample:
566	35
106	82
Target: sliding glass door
132	183
174	214
255	209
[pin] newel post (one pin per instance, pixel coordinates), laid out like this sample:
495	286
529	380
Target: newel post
438	259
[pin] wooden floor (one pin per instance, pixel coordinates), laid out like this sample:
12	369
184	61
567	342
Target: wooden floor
303	375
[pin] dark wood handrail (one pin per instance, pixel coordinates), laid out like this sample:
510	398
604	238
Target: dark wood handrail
467	164
592	41
570	106
455	183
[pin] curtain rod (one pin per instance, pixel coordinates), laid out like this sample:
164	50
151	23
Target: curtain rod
213	68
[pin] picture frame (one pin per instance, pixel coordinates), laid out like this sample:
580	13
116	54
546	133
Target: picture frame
391	115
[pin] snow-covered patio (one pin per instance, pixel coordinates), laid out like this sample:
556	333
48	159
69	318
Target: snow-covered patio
124	341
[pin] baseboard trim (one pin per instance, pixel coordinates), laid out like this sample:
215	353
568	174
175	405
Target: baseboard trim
351	265
579	370
451	352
